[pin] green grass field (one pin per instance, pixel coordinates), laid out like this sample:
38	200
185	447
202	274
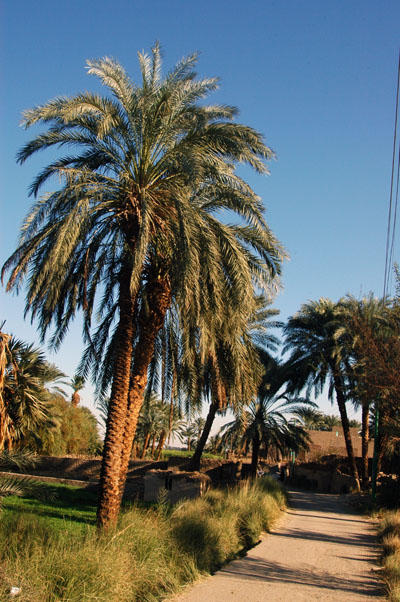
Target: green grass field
74	505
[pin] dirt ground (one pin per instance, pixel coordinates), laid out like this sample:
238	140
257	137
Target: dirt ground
320	550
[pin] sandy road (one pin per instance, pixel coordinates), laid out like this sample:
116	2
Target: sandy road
320	550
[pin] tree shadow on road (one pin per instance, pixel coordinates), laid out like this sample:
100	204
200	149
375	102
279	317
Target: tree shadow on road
255	569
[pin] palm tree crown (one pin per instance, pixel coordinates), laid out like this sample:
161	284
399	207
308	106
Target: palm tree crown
135	225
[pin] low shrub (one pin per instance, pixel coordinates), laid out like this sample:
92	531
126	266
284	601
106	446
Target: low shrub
389	493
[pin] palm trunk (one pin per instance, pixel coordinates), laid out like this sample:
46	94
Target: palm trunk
365	441
2	426
109	486
75	399
171	417
153	445
151	319
383	438
194	463
161	445
255	450
346	428
145	446
171	406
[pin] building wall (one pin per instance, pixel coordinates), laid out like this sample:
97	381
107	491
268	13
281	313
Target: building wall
324	443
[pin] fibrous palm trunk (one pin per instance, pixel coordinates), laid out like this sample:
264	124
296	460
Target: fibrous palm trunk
150	321
346	428
255	451
160	445
194	464
364	442
109	486
145	446
75	399
153	445
383	437
171	406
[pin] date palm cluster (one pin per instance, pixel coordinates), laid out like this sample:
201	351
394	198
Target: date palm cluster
135	236
353	347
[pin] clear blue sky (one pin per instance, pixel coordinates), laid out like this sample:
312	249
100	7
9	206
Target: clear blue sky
317	78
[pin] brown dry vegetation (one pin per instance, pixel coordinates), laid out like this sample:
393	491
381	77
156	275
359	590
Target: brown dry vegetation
389	531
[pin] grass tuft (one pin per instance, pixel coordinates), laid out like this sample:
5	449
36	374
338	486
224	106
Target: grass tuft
389	531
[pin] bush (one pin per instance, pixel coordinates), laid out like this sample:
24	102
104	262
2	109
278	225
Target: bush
389	493
74	432
219	526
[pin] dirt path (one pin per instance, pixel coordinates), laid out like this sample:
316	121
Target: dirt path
320	550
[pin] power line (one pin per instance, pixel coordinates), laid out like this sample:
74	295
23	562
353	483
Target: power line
391	227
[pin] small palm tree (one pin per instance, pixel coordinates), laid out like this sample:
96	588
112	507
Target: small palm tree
77	383
232	372
28	382
152	421
266	423
187	434
331	420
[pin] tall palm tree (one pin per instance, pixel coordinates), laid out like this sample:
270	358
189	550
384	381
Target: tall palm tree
373	330
319	353
359	317
134	222
5	367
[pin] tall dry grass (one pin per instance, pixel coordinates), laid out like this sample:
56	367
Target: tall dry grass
151	555
389	530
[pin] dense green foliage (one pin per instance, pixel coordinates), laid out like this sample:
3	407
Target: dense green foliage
152	554
74	431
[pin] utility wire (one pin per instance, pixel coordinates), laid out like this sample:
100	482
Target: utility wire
391	227
394	222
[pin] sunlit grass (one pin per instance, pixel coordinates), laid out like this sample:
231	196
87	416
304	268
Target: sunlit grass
389	530
53	552
74	504
171	453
